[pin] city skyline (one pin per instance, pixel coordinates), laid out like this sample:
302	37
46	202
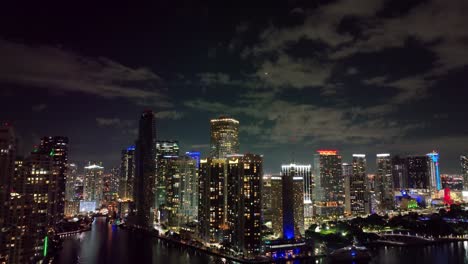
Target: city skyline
298	76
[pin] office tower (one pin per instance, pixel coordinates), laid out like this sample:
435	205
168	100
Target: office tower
166	152
187	192
93	183
110	187
347	173
329	183
7	170
384	182
435	182
145	170
277	205
464	171
194	155
244	206
212	203
418	172
168	190
127	174
224	137
72	177
293	200
267	199
57	148
358	186
399	173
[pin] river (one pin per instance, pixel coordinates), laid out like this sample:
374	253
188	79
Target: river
107	244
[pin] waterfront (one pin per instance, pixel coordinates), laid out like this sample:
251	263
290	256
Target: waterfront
107	244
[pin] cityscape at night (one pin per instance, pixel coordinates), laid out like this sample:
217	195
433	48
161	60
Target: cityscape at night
319	131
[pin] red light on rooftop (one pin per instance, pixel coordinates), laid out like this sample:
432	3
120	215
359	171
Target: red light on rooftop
327	152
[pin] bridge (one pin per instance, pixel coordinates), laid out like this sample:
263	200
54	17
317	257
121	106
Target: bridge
405	238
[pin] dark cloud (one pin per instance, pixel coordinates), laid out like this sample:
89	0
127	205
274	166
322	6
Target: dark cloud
39	107
54	68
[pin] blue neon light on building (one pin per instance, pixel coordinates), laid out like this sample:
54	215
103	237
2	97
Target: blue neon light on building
434	156
131	148
194	155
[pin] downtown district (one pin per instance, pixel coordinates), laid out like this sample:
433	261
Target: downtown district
223	202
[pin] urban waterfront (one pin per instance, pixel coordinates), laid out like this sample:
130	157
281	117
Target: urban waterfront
108	244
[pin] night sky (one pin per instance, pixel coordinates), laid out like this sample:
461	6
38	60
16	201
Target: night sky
360	76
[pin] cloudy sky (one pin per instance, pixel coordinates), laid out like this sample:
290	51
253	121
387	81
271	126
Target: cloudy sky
360	76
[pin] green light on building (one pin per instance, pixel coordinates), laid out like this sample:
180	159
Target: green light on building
52	153
46	242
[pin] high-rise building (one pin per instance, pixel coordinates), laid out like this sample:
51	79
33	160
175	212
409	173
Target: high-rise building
224	137
194	155
57	148
384	182
293	182
244	206
267	199
399	173
212	204
72	178
435	182
277	205
418	172
329	183
359	198
347	174
145	170
7	170
110	187
93	183
186	193
127	174
167	151
464	171
453	182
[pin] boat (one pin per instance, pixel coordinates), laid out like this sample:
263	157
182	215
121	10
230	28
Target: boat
352	253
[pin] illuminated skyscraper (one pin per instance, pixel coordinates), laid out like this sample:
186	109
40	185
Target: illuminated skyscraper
167	151
145	170
267	198
224	137
127	174
212	202
347	173
277	204
359	197
244	206
384	182
186	191
72	177
57	148
418	172
93	183
194	155
464	171
329	183
7	170
435	181
293	182
399	173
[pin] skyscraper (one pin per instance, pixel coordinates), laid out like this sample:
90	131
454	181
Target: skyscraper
127	174
329	183
293	182
277	204
384	182
359	198
435	182
224	137
187	191
72	177
244	206
399	173
93	183
7	170
167	151
145	170
347	174
418	172
212	203
464	171
57	148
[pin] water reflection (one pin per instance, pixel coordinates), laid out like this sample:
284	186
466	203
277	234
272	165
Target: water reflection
105	244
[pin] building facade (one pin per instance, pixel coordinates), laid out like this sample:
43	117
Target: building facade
329	183
224	139
127	174
359	197
384	182
93	183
